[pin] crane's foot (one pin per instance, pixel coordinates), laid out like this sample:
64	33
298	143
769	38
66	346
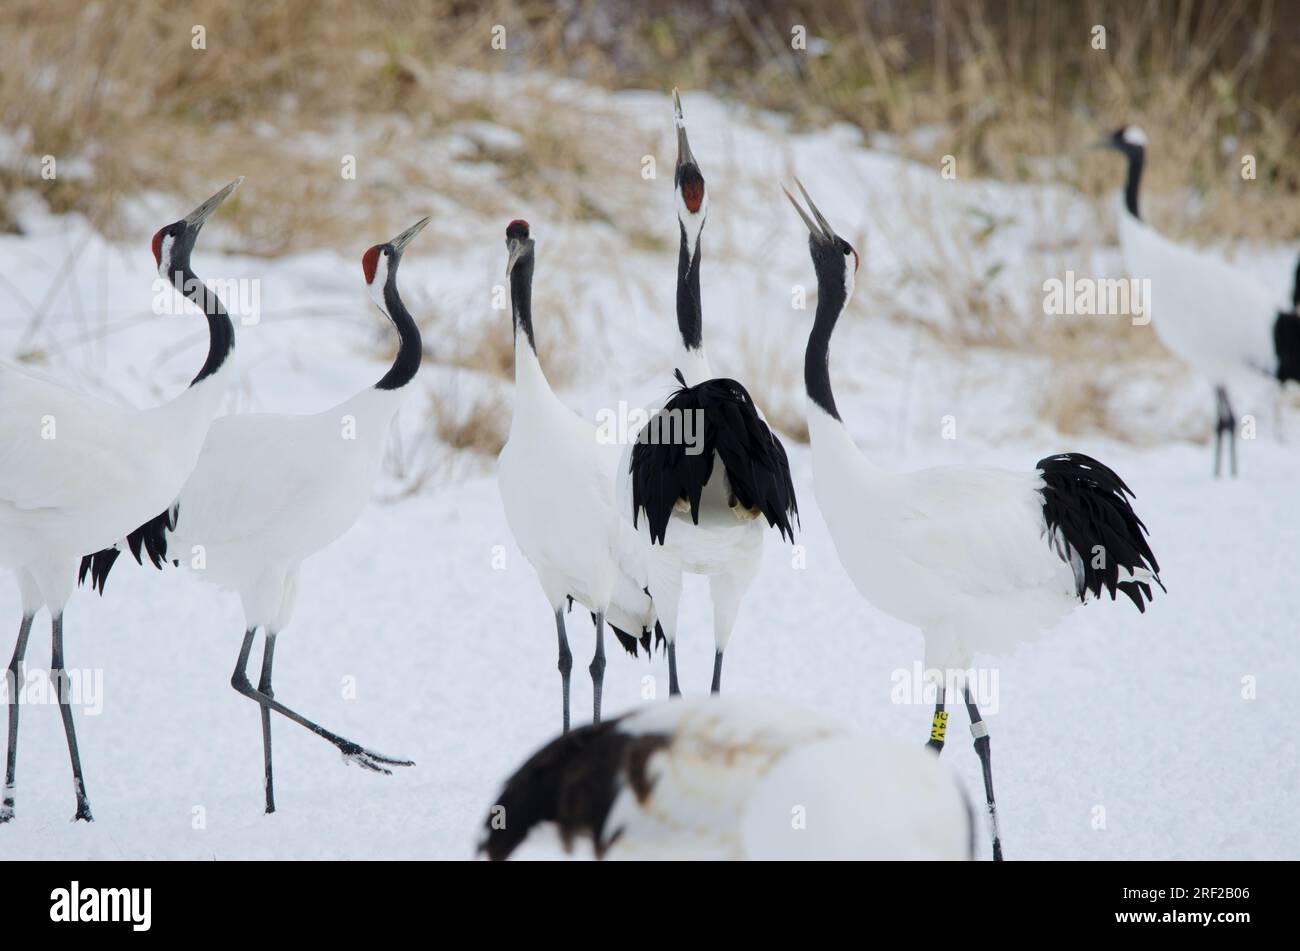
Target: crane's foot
360	756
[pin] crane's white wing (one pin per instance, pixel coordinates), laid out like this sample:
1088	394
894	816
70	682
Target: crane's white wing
976	530
1216	317
252	474
59	448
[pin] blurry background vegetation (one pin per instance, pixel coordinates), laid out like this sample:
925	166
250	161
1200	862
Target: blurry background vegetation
1012	88
1005	85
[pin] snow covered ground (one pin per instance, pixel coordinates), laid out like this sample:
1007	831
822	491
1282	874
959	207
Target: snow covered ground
1117	736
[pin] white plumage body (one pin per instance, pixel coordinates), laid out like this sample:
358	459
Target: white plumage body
269	490
758	779
1215	317
725	547
557	482
77	474
961	552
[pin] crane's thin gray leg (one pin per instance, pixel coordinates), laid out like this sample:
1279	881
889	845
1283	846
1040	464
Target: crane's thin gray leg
264	688
565	663
717	673
980	731
597	668
1225	430
354	752
1232	434
939	725
13	677
59	677
674	690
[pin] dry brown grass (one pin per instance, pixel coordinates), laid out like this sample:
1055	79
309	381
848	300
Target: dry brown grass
120	90
1004	85
477	424
117	93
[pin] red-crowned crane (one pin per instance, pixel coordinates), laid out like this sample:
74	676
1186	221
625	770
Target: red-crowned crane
77	473
270	490
729	778
706	471
1218	319
557	480
980	559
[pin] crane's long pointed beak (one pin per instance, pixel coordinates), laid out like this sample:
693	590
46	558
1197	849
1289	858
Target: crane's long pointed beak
403	239
684	153
827	230
200	214
820	228
516	248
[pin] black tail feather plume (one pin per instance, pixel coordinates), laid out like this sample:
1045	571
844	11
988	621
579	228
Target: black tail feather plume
625	639
97	566
573	781
1094	529
755	462
149	539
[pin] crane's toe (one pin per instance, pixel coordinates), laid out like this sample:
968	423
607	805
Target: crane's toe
360	756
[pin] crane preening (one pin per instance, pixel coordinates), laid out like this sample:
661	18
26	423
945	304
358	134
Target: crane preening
731	778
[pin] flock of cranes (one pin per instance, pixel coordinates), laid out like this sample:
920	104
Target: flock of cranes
979	559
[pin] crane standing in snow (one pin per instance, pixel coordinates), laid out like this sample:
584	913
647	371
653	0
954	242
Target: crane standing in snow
312	475
557	481
702	507
77	473
1216	318
980	559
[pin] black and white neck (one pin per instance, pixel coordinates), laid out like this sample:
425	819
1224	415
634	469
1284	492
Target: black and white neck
172	245
836	263
519	269
1132	142
379	265
834	288
692	210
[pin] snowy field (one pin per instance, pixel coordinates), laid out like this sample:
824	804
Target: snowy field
1119	735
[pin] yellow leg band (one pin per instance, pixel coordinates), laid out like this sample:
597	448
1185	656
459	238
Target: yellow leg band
940	726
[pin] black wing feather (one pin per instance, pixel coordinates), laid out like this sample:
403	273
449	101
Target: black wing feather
752	456
573	782
1086	506
149	539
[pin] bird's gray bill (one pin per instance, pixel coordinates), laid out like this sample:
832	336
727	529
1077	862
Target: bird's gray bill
200	214
684	153
516	248
820	228
403	239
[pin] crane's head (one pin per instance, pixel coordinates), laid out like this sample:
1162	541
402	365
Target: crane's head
688	181
379	264
1129	139
834	259
172	245
518	244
